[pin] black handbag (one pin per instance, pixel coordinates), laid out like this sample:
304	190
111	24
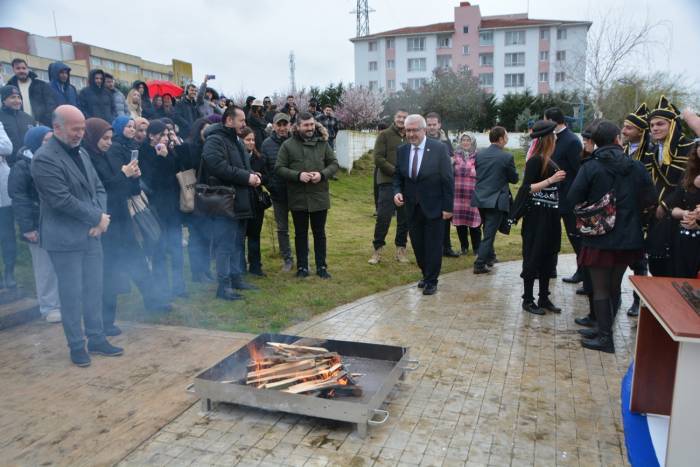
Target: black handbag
263	200
214	200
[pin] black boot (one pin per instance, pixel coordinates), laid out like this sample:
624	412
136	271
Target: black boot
589	333
604	341
575	278
544	302
225	292
237	282
633	310
589	320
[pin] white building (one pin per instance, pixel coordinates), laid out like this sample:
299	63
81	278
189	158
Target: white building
508	54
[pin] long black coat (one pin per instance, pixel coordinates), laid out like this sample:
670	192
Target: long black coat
567	156
96	101
41	97
162	187
16	124
276	184
25	199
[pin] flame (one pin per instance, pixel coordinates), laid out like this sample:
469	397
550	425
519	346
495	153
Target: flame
256	356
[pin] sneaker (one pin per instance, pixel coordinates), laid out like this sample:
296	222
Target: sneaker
401	256
376	256
323	273
104	348
53	316
302	273
288	265
80	357
112	330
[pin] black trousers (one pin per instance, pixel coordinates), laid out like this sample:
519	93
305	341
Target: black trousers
426	239
79	276
317	219
464	232
199	244
252	234
385	211
8	239
446	240
570	226
491	218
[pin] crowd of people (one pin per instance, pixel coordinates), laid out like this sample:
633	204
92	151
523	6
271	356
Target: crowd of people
100	186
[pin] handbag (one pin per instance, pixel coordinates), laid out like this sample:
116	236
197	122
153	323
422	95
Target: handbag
263	200
146	224
598	218
187	180
214	200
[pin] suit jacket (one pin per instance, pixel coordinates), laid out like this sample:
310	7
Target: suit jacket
495	169
567	156
70	203
433	188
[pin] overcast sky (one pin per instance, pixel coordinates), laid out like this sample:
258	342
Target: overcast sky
247	43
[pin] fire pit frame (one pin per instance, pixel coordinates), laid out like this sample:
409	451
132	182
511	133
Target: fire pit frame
209	385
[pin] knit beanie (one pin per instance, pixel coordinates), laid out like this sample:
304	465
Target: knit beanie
7	91
35	136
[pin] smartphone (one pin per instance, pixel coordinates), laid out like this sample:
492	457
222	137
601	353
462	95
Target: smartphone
134	154
211	77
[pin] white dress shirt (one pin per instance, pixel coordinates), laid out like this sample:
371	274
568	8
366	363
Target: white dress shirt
421	150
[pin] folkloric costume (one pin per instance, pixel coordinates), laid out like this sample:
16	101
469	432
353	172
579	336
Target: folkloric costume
638	119
665	161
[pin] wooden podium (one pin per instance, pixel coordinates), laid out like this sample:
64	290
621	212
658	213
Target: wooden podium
666	378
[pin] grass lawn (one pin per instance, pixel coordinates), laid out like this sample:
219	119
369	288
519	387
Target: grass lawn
284	300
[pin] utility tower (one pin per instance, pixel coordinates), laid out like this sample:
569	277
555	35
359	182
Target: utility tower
362	13
292	72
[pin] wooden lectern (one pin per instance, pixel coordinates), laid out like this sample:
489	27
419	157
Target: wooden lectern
666	378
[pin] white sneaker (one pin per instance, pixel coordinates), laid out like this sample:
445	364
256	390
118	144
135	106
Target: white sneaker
53	317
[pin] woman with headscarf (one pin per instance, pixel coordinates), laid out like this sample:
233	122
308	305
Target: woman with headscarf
133	103
466	218
537	202
159	164
25	205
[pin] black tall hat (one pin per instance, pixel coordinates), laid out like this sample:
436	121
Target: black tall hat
638	118
664	109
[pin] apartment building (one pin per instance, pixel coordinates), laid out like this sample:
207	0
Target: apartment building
40	52
507	53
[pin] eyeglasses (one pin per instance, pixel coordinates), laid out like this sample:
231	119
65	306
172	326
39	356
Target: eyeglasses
414	130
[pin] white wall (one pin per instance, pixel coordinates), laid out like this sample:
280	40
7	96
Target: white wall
351	145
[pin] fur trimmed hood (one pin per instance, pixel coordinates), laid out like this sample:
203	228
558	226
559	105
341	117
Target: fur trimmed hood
321	133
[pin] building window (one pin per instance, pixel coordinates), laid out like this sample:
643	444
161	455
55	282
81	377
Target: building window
390	84
514	80
390	43
444	42
373	85
544	34
43	75
372	46
465	29
121	66
390	64
372	66
515	59
95	61
77	81
109	64
7	69
515	37
486	59
486	79
465	50
544	77
133	69
560	77
561	33
561	55
444	61
416	83
486	38
415	44
416	64
544	56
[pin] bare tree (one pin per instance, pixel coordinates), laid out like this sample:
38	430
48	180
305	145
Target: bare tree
619	45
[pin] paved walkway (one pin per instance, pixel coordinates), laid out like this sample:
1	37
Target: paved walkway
496	386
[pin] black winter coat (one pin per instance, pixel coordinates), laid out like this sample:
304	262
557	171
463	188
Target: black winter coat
25	199
41	97
161	185
258	125
16	124
567	156
634	192
186	112
226	163
277	186
96	101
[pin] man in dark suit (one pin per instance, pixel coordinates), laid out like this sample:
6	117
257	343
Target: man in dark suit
424	183
567	156
73	216
495	169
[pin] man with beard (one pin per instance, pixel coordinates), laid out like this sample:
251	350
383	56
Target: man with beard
385	165
186	111
306	161
37	97
665	159
95	100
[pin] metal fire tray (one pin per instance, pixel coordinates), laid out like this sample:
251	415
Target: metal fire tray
381	365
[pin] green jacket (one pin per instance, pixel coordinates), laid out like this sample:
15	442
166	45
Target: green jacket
385	153
296	156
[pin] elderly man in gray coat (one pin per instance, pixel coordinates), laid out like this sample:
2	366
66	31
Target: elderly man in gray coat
73	206
495	169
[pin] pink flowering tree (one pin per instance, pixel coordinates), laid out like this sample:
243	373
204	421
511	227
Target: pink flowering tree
360	108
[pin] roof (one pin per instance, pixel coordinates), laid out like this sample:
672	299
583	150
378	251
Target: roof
487	22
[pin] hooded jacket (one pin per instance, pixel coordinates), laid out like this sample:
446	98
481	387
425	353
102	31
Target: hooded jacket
25	199
63	93
277	185
96	101
609	168
41	97
226	163
298	155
